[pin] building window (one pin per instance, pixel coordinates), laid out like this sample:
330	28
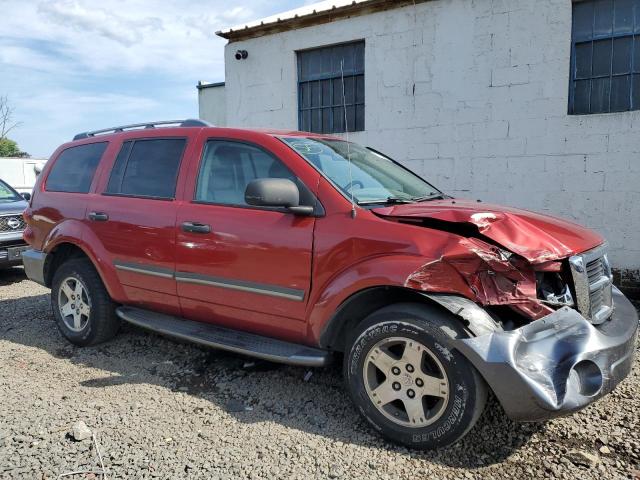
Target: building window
320	90
605	59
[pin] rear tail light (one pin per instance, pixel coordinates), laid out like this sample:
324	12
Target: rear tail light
27	234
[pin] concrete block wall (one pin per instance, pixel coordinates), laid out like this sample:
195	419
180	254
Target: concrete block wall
473	95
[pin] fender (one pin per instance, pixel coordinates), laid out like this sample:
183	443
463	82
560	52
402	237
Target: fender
74	232
378	271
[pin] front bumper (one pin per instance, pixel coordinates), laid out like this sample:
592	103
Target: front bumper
11	248
558	364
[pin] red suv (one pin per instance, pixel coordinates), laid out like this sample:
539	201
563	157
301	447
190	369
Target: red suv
294	247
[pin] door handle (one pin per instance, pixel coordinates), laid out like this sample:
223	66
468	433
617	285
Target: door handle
196	227
98	217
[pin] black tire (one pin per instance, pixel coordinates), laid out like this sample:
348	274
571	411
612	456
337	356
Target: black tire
428	327
101	324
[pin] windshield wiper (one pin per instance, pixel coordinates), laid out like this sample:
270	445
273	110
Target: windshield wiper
389	200
431	196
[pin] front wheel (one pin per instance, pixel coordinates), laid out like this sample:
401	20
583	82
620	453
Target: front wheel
407	383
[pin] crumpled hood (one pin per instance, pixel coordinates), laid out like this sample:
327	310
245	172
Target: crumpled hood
535	237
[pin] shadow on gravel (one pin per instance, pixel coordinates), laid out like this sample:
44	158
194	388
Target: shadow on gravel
252	391
11	275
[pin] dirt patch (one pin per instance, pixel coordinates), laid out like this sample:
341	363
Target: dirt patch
162	409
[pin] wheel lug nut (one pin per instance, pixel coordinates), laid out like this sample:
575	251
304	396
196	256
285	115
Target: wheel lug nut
396	386
419	382
395	371
411	393
409	368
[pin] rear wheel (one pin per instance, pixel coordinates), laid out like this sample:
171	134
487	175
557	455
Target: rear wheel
81	305
407	383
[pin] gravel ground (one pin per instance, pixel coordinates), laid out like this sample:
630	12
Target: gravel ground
161	409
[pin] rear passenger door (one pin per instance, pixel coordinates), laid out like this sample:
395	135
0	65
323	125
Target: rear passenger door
242	266
132	218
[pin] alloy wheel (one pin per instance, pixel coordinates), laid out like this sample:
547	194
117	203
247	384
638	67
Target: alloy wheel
406	382
74	304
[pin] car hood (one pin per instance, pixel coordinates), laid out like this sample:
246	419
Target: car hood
535	237
13	207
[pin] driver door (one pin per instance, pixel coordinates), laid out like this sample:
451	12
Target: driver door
241	266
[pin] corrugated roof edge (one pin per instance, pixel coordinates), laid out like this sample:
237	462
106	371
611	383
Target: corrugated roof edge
315	14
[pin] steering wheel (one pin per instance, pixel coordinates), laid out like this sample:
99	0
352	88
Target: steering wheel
352	184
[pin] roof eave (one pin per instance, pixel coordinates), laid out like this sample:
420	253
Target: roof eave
314	18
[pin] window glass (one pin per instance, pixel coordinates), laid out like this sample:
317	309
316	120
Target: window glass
583	20
623	16
606	51
622	48
581	97
8	194
358	171
321	99
620	88
602	58
74	169
603	18
600	90
228	167
147	168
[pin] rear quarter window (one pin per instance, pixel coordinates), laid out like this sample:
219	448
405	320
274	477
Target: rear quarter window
74	169
147	168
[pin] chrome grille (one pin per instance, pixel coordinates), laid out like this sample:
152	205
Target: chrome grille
593	283
11	223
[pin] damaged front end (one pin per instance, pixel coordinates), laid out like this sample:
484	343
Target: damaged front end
570	336
552	334
492	276
558	364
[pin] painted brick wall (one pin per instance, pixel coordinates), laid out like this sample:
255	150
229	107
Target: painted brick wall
472	94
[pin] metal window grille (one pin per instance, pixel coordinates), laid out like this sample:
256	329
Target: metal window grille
605	57
320	102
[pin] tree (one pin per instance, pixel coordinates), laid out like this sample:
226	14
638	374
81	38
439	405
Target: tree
8	148
6	118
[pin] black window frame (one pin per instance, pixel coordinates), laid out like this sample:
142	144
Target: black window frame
353	75
317	207
126	163
632	76
93	175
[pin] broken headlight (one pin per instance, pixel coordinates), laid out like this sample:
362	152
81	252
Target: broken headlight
553	290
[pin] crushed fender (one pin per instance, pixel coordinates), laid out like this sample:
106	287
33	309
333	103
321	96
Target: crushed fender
483	273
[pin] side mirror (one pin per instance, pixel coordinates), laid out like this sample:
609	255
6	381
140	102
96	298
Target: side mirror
26	196
276	192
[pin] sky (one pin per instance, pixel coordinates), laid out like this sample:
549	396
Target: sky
69	66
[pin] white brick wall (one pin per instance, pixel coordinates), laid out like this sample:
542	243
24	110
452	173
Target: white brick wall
489	115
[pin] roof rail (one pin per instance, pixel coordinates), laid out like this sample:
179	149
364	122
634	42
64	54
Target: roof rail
179	123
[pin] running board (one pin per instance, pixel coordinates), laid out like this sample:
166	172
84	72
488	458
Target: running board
222	338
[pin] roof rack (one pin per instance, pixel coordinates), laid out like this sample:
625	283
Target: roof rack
179	123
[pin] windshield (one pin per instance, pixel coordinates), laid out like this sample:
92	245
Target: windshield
8	194
372	178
